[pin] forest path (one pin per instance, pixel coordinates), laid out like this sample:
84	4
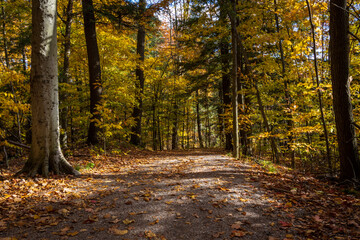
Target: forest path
180	195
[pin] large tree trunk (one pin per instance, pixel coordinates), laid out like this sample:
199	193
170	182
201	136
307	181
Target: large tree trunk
65	76
135	137
339	55
94	71
45	154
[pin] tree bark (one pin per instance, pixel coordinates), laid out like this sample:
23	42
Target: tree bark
135	137
174	134
45	154
322	116
94	71
266	123
289	120
225	79
198	120
236	145
339	56
65	77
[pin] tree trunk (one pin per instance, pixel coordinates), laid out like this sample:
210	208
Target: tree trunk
266	123
236	145
339	55
65	77
198	119
140	79
45	154
322	116
94	71
174	135
244	101
154	130
225	79
183	130
220	115
289	120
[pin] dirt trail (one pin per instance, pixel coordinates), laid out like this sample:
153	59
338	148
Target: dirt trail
197	195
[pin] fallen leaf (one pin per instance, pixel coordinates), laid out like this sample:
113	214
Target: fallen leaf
49	208
317	218
119	232
238	233
218	234
272	238
285	224
236	225
150	234
128	221
154	222
72	233
288	205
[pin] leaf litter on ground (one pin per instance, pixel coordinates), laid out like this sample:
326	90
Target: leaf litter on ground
175	195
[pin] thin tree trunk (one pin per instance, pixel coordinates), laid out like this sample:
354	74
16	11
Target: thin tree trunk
154	130
66	72
220	115
244	100
159	133
198	119
236	145
289	120
94	71
183	131
266	123
187	129
322	117
140	79
225	78
174	135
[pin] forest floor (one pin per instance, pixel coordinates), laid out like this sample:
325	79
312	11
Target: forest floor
175	195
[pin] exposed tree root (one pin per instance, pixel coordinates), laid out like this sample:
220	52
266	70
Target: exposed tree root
56	164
